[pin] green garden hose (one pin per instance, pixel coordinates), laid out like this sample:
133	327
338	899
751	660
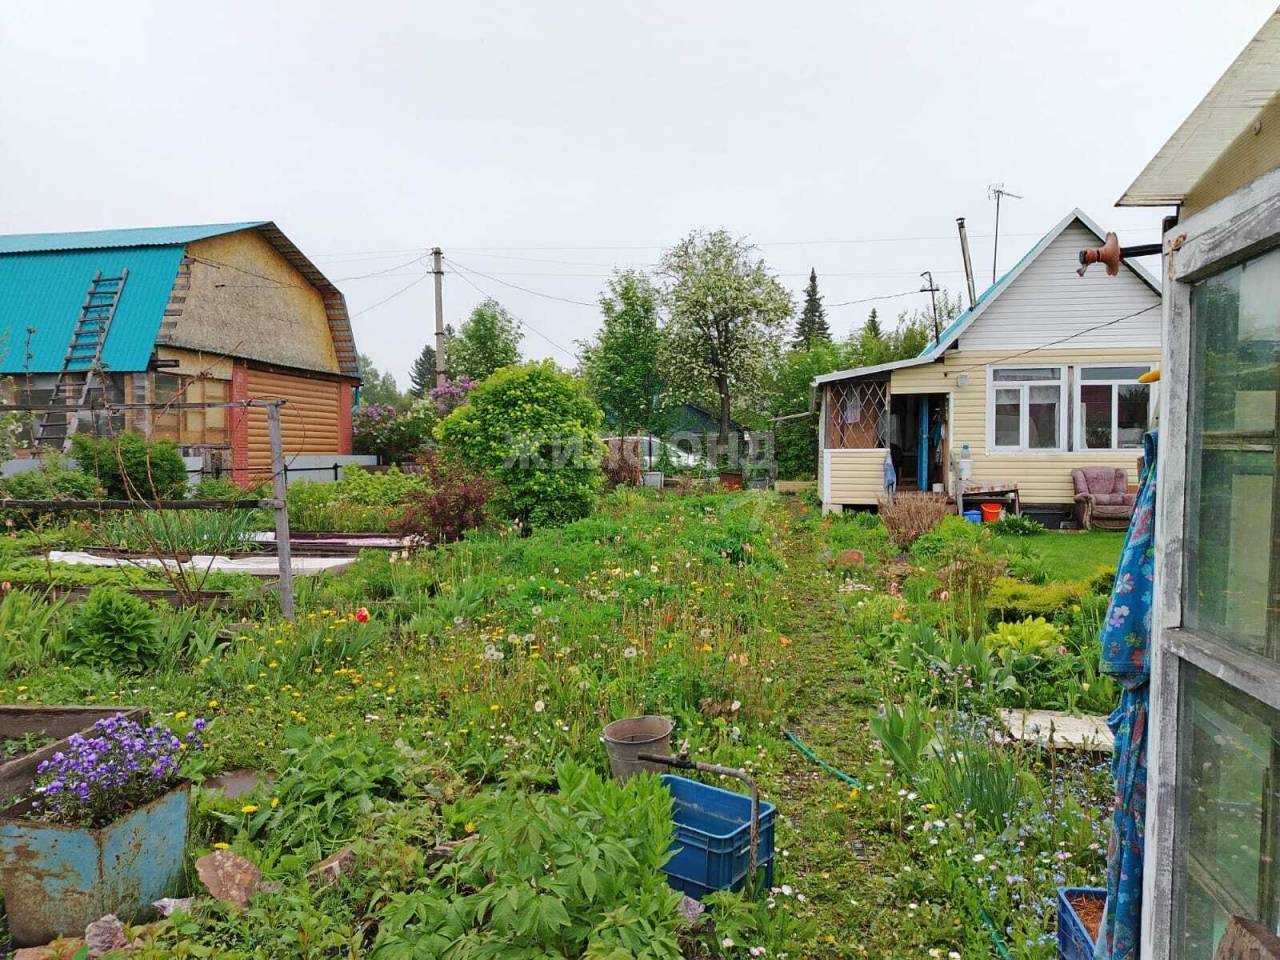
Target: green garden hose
838	774
997	941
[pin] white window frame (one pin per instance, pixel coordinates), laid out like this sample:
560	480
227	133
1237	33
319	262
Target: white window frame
1024	417
1239	227
1077	440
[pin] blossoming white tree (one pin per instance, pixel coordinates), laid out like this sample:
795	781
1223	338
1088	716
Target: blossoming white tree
727	315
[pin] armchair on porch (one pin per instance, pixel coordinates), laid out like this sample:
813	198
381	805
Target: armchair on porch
1103	499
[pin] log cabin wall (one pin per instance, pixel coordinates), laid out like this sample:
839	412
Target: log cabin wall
315	419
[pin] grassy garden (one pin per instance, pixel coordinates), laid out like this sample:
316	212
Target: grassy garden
452	699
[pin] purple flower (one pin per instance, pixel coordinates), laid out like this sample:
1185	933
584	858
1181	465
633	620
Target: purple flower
121	767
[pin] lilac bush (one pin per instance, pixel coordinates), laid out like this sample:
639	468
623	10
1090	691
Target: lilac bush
119	767
451	394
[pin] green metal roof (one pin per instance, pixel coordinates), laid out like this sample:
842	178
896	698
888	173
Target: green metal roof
44	278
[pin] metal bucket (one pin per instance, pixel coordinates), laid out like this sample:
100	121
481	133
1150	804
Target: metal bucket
626	739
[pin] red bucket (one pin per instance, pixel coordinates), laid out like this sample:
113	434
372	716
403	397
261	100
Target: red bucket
991	512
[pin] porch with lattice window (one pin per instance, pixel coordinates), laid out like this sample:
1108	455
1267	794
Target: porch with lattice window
857	414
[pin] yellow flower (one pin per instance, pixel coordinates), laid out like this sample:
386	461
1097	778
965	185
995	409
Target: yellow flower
222	846
180	714
470	827
275	802
495	706
213	703
249	808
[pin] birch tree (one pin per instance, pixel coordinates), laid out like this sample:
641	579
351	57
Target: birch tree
727	317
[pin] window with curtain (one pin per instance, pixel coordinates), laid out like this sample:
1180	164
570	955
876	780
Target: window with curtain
1113	409
1027	408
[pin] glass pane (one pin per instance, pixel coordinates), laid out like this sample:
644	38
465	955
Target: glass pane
1042	418
1095	411
1112	373
1227	813
1027	373
1132	406
1008	418
1231	456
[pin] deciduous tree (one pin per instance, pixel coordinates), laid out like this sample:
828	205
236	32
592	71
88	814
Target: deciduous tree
620	366
727	315
488	340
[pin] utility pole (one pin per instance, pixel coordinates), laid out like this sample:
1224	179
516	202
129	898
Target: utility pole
437	255
996	191
928	275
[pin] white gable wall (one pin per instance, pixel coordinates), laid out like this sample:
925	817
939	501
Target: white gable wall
1048	302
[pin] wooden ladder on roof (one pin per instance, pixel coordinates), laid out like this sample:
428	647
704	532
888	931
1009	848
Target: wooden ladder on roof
83	356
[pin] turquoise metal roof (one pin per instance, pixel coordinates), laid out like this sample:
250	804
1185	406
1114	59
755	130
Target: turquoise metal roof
44	278
130	237
43	293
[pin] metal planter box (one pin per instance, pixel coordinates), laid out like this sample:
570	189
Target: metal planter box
57	879
58	722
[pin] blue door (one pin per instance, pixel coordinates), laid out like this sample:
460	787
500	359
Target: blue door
922	448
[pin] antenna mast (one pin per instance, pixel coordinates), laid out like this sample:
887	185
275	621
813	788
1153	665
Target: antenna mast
996	191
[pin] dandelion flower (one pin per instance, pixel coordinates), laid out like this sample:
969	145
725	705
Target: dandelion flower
249	808
275	802
470	826
630	653
539	706
221	846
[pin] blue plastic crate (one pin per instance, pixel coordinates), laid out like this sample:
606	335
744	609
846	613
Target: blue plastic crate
1074	942
713	838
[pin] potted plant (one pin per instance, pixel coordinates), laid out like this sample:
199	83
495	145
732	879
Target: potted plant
103	832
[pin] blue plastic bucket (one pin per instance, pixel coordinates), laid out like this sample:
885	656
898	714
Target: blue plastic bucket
713	838
973	516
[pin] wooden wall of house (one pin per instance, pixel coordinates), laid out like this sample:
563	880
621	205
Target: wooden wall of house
1253	153
244	299
1043	477
315	419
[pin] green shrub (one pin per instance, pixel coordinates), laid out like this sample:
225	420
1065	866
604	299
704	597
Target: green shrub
130	467
113	629
1034	635
224	488
1016	525
51	482
1103	581
1011	599
534	430
368	488
950	531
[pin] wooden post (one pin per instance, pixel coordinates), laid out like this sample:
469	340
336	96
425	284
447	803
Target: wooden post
279	489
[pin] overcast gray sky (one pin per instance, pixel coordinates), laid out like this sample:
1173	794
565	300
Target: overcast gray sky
543	143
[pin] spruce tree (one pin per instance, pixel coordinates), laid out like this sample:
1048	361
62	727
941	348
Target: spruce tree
422	375
871	330
812	327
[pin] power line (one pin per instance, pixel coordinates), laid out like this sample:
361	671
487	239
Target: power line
374	306
516	286
1059	341
378	273
887	296
520	320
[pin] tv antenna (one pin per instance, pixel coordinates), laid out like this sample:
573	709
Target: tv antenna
997	192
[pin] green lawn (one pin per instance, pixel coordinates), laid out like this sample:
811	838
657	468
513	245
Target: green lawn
1073	555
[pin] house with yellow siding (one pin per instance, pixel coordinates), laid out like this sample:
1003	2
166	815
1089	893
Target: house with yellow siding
177	316
1039	376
